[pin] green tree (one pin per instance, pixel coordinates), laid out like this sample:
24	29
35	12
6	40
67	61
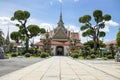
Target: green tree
11	46
26	31
94	31
15	36
47	42
72	44
91	44
118	38
1	38
85	51
112	50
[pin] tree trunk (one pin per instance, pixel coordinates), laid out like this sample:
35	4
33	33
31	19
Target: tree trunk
95	44
27	44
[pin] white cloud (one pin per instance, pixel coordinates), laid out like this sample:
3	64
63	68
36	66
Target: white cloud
72	28
106	29
60	1
76	0
47	26
34	21
42	24
5	22
109	24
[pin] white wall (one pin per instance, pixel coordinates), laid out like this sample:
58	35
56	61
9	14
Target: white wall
65	50
53	50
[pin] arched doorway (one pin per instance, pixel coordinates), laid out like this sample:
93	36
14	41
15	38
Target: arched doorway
59	50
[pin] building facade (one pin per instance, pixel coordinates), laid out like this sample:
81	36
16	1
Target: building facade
60	41
113	42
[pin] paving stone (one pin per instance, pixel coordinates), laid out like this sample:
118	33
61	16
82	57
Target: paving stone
64	68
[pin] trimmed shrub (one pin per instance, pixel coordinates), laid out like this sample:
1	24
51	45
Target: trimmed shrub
92	51
88	57
92	56
14	55
109	56
44	55
108	53
75	51
19	53
74	55
105	58
27	54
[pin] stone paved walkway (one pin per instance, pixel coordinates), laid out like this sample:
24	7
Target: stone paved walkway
13	64
64	68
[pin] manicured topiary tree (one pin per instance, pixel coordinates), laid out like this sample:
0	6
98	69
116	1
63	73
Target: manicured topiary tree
25	31
118	38
94	30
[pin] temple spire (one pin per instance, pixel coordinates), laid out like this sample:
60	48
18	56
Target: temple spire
60	23
7	37
61	12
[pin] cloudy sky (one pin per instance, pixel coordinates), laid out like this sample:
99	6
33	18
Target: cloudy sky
45	13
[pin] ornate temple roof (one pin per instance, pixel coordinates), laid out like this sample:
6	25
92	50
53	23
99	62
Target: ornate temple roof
60	31
39	44
61	36
60	43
